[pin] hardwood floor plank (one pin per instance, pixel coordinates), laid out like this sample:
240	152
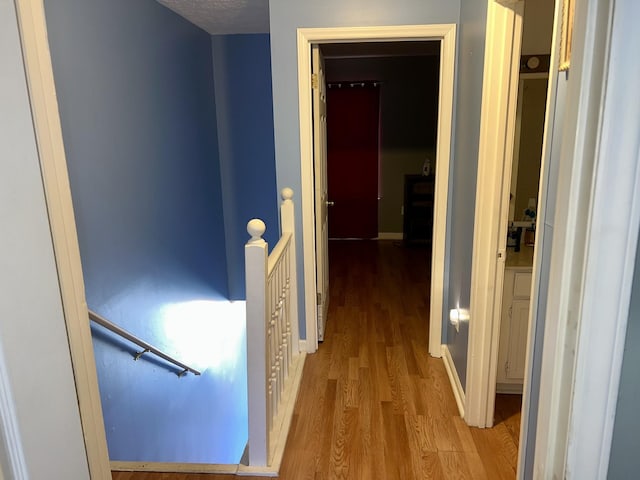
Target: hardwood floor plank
395	442
421	442
497	451
430	468
344	440
454	466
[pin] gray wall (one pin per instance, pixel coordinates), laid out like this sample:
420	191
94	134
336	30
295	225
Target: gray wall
33	345
462	185
538	27
624	461
288	15
533	98
409	116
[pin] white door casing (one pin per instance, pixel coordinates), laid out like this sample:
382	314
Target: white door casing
497	133
594	245
44	105
446	34
319	86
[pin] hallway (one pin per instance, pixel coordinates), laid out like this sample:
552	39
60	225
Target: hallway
373	404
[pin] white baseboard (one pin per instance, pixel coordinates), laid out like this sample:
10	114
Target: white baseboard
390	235
454	379
174	467
509	388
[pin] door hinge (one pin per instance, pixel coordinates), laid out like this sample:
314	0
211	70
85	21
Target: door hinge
314	80
318	298
510	311
506	368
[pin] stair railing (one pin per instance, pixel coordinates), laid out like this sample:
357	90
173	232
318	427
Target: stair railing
272	327
147	347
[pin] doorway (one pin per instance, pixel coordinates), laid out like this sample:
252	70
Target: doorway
445	34
381	123
523	200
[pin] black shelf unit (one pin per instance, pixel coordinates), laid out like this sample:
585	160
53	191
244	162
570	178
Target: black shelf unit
418	209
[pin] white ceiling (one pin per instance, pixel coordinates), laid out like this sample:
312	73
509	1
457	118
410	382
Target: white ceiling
221	17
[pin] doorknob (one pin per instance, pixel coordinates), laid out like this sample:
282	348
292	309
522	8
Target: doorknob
330	204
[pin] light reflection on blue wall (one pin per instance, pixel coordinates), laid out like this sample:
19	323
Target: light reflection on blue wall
206	333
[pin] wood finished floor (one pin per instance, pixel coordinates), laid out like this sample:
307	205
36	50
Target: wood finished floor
373	404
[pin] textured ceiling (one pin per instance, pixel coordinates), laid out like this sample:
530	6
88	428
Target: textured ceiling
224	16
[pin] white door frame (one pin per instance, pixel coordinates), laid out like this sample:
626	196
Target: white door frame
594	245
497	134
46	117
446	34
597	217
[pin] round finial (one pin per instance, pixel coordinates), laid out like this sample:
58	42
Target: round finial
256	228
287	193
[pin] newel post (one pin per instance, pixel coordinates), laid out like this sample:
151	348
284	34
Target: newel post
287	224
256	258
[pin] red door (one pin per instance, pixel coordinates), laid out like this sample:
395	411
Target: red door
352	160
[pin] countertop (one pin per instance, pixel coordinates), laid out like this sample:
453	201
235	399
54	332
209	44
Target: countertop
523	258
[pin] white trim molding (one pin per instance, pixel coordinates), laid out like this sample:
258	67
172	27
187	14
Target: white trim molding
595	244
454	379
12	462
44	106
497	133
543	248
446	34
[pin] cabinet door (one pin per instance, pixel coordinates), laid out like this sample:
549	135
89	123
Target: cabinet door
517	340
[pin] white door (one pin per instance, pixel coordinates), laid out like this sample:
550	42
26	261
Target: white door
320	180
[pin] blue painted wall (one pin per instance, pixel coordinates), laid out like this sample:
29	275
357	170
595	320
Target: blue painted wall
136	93
625	444
138	115
244	106
462	187
288	15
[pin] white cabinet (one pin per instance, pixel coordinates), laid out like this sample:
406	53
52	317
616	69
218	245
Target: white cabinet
513	329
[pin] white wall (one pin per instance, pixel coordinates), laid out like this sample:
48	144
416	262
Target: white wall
32	327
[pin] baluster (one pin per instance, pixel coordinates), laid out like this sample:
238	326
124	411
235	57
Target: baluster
283	318
283	364
288	325
285	308
274	362
278	359
287	218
